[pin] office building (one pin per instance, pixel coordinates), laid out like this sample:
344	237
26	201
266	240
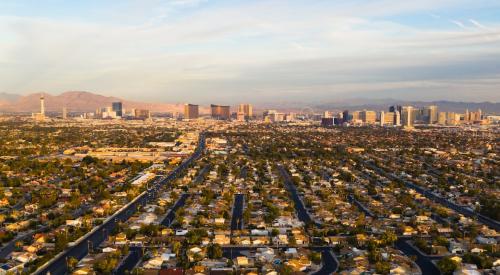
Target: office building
397	118
64	113
220	112
430	115
368	117
473	116
345	116
191	111
442	118
117	107
327	121
246	110
408	116
395	108
290	117
388	118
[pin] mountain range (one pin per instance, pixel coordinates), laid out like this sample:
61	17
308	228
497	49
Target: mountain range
80	101
75	101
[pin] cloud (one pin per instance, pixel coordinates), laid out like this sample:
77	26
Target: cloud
183	50
479	25
459	24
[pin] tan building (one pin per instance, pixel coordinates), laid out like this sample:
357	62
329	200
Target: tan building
220	112
408	116
246	110
368	117
388	118
191	111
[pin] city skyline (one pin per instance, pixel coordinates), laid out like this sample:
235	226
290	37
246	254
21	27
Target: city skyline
202	51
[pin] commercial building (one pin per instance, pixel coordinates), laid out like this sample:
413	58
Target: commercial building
345	116
117	107
368	117
246	110
220	112
408	116
327	121
191	111
431	114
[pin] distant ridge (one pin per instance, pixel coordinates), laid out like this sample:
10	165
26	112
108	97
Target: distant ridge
75	101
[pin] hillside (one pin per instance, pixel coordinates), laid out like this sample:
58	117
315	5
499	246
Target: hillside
77	101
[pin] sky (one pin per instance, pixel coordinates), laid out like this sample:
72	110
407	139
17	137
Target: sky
208	51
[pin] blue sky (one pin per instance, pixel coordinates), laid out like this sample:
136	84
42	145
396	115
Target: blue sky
257	51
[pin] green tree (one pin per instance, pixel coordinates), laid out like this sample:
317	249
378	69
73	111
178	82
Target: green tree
446	265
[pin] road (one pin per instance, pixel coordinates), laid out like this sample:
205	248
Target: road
94	238
130	261
330	262
299	205
361	206
237	217
169	218
422	261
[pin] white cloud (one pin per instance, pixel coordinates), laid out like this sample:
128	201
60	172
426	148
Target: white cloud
234	49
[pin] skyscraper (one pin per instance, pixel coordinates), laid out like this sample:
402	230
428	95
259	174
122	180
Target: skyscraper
368	117
408	116
431	114
345	116
42	105
246	110
397	118
117	107
191	111
64	113
220	112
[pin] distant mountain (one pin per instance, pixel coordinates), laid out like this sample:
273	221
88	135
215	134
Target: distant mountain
76	101
6	97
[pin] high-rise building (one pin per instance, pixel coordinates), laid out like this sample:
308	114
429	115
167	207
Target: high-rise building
473	116
408	116
431	114
220	112
345	116
117	107
395	108
191	111
246	110
397	118
451	118
442	118
368	117
382	118
64	113
327	114
327	121
389	118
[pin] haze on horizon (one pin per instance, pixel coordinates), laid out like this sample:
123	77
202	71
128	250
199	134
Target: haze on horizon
257	51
